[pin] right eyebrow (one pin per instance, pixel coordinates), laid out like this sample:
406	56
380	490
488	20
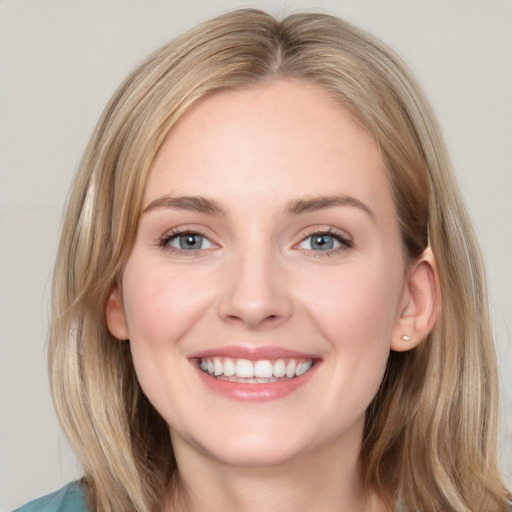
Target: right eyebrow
313	204
191	203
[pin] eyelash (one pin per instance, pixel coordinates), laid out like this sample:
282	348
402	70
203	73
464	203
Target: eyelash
164	241
345	242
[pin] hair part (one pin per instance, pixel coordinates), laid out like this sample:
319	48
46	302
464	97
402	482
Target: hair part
430	433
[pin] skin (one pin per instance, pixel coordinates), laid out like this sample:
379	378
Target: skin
257	281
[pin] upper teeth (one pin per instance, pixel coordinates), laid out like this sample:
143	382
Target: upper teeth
243	368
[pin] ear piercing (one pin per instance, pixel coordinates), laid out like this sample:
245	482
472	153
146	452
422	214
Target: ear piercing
405	337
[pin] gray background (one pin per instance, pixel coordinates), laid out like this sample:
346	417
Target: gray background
59	63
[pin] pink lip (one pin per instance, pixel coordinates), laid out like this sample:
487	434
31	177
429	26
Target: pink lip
255	392
260	392
252	353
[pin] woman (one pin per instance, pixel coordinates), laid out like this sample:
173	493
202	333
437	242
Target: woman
267	286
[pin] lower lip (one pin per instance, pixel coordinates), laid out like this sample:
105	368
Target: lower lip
256	392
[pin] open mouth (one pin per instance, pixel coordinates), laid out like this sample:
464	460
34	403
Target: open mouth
254	372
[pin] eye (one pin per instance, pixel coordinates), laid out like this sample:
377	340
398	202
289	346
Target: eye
324	242
188	241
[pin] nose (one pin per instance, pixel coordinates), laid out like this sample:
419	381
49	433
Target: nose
255	293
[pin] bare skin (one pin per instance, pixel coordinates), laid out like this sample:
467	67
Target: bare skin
269	228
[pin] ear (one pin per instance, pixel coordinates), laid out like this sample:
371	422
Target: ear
116	318
420	304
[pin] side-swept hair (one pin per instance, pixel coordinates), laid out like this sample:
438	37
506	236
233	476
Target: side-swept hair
430	433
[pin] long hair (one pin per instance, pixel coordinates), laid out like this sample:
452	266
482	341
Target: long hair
430	433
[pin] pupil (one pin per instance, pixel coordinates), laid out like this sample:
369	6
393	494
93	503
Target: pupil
322	242
190	241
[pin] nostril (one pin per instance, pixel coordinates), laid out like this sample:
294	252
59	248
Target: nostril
254	304
254	321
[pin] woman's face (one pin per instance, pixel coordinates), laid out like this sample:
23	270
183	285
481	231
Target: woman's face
267	277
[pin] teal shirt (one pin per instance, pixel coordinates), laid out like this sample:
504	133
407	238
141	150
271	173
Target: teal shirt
71	498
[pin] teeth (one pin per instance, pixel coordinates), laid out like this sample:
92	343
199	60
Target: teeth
302	368
262	371
244	368
290	368
229	367
279	369
218	368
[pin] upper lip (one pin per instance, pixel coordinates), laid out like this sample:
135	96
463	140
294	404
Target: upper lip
252	353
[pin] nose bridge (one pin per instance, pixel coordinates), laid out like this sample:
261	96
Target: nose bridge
255	292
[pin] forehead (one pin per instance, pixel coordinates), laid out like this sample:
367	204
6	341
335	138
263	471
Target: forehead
279	140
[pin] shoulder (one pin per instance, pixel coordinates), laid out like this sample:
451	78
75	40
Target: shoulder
71	498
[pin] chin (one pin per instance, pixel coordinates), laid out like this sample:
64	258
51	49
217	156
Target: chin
233	445
256	454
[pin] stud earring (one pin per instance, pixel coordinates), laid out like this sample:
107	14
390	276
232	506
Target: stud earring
405	337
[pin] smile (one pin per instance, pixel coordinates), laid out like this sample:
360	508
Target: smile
254	372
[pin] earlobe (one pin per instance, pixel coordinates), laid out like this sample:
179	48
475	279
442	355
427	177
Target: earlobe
420	304
116	318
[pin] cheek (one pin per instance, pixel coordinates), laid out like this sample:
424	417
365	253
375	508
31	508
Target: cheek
357	321
161	308
162	304
356	318
358	304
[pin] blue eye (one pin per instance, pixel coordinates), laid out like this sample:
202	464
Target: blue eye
187	242
324	242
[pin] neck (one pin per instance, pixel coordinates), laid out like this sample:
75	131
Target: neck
323	482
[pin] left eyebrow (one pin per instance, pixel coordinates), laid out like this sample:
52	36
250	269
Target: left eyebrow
299	206
191	203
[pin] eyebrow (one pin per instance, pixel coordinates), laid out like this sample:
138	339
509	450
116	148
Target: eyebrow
191	203
314	204
295	207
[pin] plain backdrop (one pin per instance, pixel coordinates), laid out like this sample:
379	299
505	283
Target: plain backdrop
59	63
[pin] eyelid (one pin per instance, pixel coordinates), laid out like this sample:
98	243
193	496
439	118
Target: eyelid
325	230
345	240
163	241
204	241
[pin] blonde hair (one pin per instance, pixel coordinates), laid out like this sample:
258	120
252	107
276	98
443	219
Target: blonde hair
430	433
